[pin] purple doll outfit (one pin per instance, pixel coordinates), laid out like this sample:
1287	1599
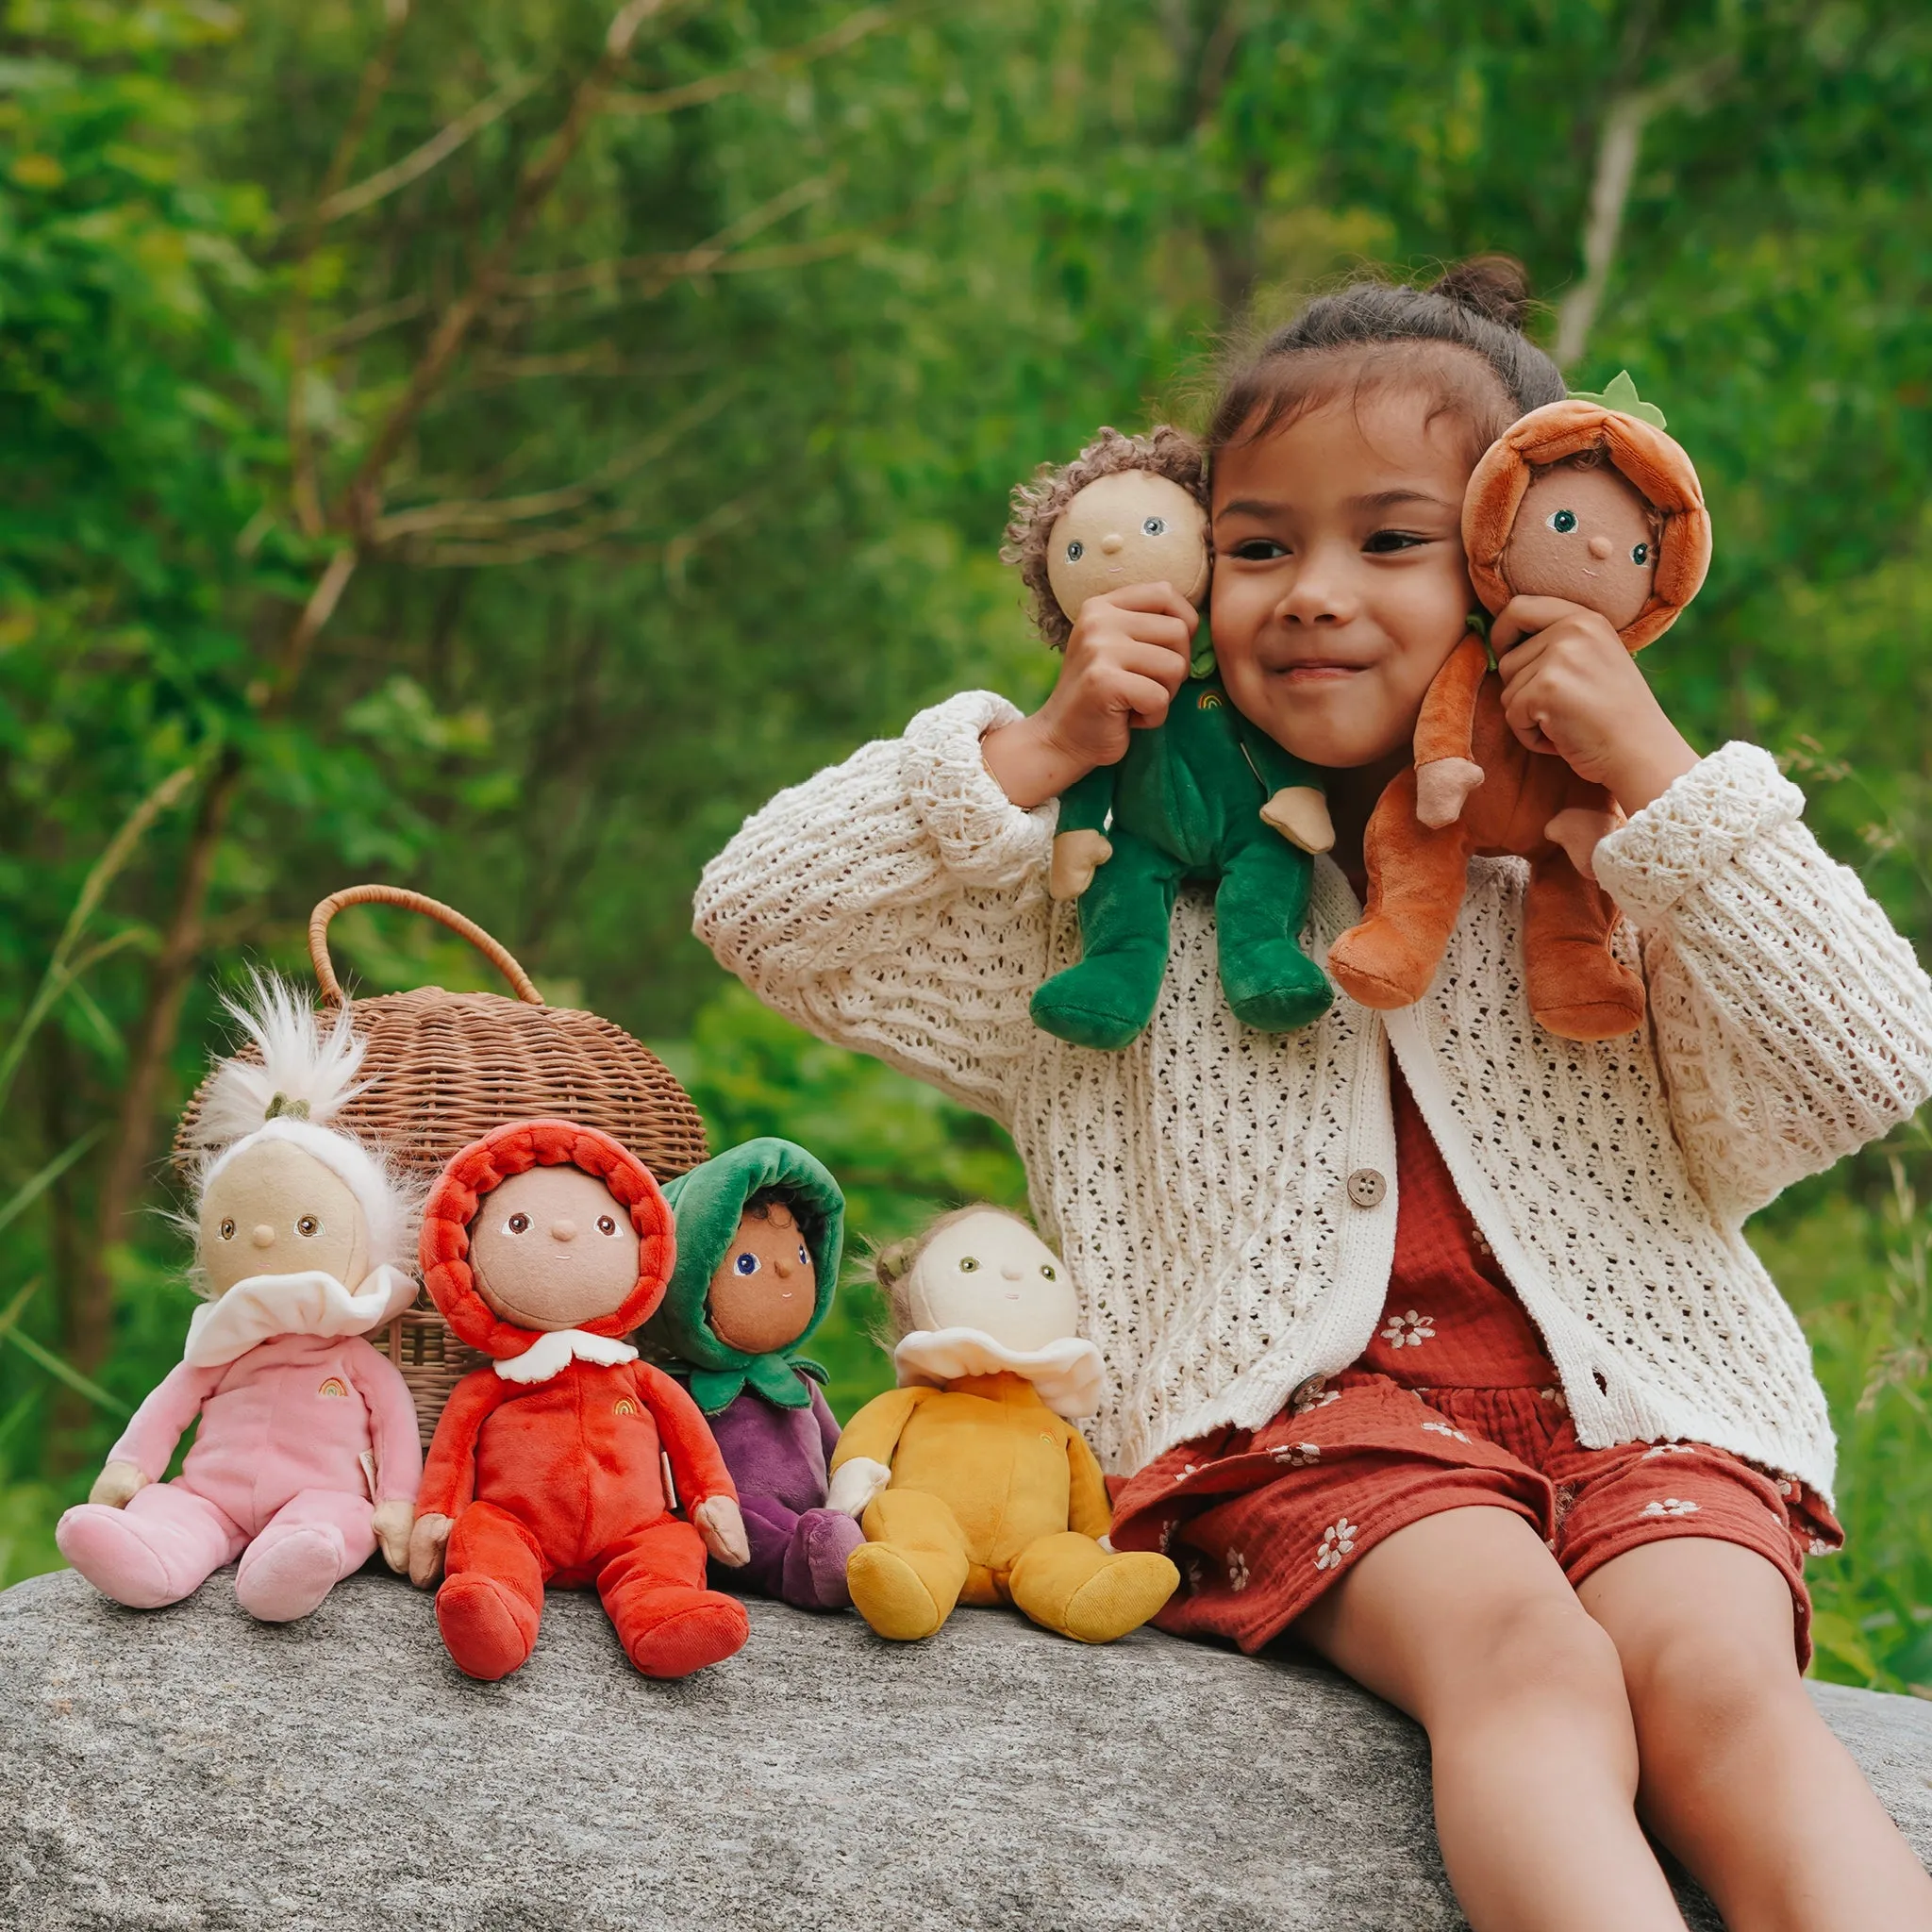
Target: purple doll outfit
778	1457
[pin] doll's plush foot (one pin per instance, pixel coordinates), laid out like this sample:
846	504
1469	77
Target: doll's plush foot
1104	1001
892	1595
1277	991
158	1550
1070	1584
674	1631
109	1552
1378	965
816	1559
488	1630
1619	1010
285	1576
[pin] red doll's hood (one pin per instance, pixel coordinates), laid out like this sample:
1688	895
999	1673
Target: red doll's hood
516	1149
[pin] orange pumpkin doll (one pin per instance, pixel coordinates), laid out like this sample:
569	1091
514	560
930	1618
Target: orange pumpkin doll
1587	500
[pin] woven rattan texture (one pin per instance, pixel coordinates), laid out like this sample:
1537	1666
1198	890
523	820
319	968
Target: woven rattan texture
442	1069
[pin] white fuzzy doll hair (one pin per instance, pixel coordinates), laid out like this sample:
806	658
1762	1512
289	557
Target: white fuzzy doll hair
303	1080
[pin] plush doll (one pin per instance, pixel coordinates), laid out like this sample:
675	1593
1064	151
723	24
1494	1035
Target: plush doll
761	1230
1203	796
544	1243
307	1457
973	1482
1589	501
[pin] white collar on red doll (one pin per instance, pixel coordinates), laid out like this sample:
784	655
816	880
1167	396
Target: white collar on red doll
553	1351
1068	1374
312	1303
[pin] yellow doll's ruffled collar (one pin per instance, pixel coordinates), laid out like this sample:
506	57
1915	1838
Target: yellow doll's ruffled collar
1068	1374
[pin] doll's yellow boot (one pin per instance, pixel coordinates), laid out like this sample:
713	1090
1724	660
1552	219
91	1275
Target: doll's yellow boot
1070	1584
908	1574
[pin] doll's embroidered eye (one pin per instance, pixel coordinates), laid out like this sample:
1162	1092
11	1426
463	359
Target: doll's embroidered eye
308	1225
1641	554
606	1225
228	1230
1563	521
747	1265
1155	527
517	1223
1075	551
1046	1269
803	1257
967	1265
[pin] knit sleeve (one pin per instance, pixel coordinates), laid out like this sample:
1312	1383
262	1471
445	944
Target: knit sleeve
1793	1022
897	904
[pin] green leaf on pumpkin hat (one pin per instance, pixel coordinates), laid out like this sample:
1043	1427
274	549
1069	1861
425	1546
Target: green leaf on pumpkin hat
1620	395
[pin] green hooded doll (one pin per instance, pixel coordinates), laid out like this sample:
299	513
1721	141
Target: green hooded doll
761	1230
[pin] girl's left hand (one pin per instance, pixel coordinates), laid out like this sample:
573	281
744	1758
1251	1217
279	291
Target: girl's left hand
1570	689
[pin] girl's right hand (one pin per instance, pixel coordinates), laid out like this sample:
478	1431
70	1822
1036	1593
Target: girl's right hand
1126	659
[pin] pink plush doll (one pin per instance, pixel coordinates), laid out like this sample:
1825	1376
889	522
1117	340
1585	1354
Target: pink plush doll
306	1456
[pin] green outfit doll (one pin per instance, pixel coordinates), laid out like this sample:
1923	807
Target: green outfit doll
1204	796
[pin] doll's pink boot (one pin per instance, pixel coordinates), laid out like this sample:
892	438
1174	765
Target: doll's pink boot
160	1548
304	1551
816	1556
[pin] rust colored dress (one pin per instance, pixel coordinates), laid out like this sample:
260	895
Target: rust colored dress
1454	1403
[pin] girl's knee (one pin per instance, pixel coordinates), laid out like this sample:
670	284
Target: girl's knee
1703	1689
1540	1650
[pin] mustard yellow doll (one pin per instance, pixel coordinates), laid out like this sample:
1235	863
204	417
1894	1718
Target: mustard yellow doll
974	1483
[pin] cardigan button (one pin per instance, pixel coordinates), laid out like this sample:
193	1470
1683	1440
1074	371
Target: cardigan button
1366	1187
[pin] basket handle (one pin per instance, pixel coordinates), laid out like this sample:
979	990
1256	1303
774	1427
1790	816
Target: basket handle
492	950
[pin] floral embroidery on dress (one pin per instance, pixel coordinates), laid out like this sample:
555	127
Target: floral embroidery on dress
1337	1539
1412	1328
1186	1470
1443	1429
1167	1535
1670	1505
1195	1574
1658	1449
1556	1400
1296	1454
1313	1395
1237	1572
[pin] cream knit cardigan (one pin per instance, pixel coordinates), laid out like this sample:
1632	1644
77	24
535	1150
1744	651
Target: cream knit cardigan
1226	1199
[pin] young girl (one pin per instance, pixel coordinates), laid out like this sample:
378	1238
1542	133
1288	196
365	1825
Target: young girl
1435	1338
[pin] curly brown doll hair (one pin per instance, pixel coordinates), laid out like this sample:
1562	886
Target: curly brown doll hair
1037	506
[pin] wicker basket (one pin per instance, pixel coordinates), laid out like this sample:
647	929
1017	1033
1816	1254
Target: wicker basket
444	1068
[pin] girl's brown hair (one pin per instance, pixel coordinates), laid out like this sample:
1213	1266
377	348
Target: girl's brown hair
1461	340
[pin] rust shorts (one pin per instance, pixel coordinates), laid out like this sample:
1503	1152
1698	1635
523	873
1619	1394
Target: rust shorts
1262	1522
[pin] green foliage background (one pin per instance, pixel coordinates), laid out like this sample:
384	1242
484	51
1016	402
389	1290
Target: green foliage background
708	487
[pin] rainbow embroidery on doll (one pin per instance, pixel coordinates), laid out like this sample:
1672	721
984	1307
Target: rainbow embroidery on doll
624	1406
336	1386
1208	700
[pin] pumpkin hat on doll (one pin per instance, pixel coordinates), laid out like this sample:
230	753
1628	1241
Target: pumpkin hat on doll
1503	537
755	1349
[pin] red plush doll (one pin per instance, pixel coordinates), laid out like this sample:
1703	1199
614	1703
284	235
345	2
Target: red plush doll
544	1245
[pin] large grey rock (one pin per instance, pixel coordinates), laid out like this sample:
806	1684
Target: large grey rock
187	1767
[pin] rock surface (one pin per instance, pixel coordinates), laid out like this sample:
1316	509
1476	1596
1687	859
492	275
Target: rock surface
187	1767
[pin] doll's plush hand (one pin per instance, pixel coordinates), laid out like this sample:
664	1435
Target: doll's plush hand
1076	855
1300	814
1126	660
1441	789
428	1540
1571	688
116	1485
391	1523
854	1484
722	1528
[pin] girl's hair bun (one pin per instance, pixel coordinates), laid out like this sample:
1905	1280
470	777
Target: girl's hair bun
1496	286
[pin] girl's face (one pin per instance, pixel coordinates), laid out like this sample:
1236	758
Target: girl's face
1338	581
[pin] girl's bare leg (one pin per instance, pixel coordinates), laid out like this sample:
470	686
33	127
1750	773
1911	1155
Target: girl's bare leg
1741	1777
1465	1621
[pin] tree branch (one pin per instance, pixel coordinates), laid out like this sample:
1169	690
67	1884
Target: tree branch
1620	142
540	177
438	148
676	266
695	93
303	488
